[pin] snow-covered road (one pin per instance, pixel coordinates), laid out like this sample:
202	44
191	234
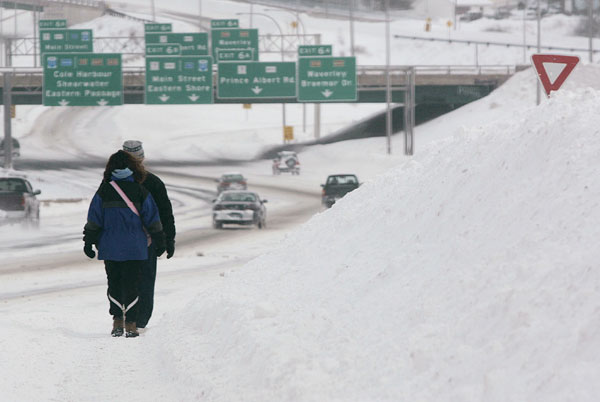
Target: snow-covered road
192	200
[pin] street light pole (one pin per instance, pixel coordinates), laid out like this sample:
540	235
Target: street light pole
200	14
351	10
296	15
298	22
388	79
153	11
525	33
591	27
282	55
16	19
2	51
7	88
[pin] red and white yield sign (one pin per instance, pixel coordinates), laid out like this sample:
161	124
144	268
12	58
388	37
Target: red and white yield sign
553	69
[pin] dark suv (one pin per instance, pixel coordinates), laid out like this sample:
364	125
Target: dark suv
231	181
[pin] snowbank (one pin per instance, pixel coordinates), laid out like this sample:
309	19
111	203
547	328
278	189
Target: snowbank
466	274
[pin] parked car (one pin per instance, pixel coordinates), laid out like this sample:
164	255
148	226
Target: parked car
240	208
531	12
337	186
286	161
231	181
502	12
16	148
472	15
18	199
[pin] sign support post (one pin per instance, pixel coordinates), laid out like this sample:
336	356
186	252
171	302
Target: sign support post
409	111
539	45
7	98
317	112
35	38
283	104
317	121
388	80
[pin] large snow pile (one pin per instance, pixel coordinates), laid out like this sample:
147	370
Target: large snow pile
467	274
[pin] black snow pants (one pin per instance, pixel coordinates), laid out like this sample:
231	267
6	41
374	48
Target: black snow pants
123	282
147	281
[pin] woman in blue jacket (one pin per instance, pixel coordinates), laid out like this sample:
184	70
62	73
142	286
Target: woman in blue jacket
122	226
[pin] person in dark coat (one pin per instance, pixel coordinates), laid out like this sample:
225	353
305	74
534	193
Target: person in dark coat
159	192
121	235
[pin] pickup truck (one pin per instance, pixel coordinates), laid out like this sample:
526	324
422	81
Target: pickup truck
18	200
337	186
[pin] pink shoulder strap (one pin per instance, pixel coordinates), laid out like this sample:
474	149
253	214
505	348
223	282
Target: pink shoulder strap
125	198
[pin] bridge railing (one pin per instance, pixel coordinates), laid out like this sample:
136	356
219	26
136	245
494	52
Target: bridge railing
442	69
87	3
44	3
370	78
461	70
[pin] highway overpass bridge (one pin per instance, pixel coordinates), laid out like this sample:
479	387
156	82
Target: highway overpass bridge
434	85
419	93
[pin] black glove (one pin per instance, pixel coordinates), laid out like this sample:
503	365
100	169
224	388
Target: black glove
158	239
90	235
170	248
87	249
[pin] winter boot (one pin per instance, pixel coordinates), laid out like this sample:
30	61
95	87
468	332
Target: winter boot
131	330
117	327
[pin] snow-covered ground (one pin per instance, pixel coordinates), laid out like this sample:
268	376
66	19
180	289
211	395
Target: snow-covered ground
464	273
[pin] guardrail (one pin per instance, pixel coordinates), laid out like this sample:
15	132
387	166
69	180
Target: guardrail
87	3
44	3
492	43
493	69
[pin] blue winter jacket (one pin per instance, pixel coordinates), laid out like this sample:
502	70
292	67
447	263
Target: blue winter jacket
114	228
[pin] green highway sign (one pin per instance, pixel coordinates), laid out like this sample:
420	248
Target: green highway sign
327	79
167	49
192	44
52	24
314	50
235	55
256	80
219	24
82	79
158	28
227	39
179	80
66	40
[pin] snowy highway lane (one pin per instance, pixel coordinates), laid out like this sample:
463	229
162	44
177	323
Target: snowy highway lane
49	260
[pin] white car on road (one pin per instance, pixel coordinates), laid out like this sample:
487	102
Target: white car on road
240	208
